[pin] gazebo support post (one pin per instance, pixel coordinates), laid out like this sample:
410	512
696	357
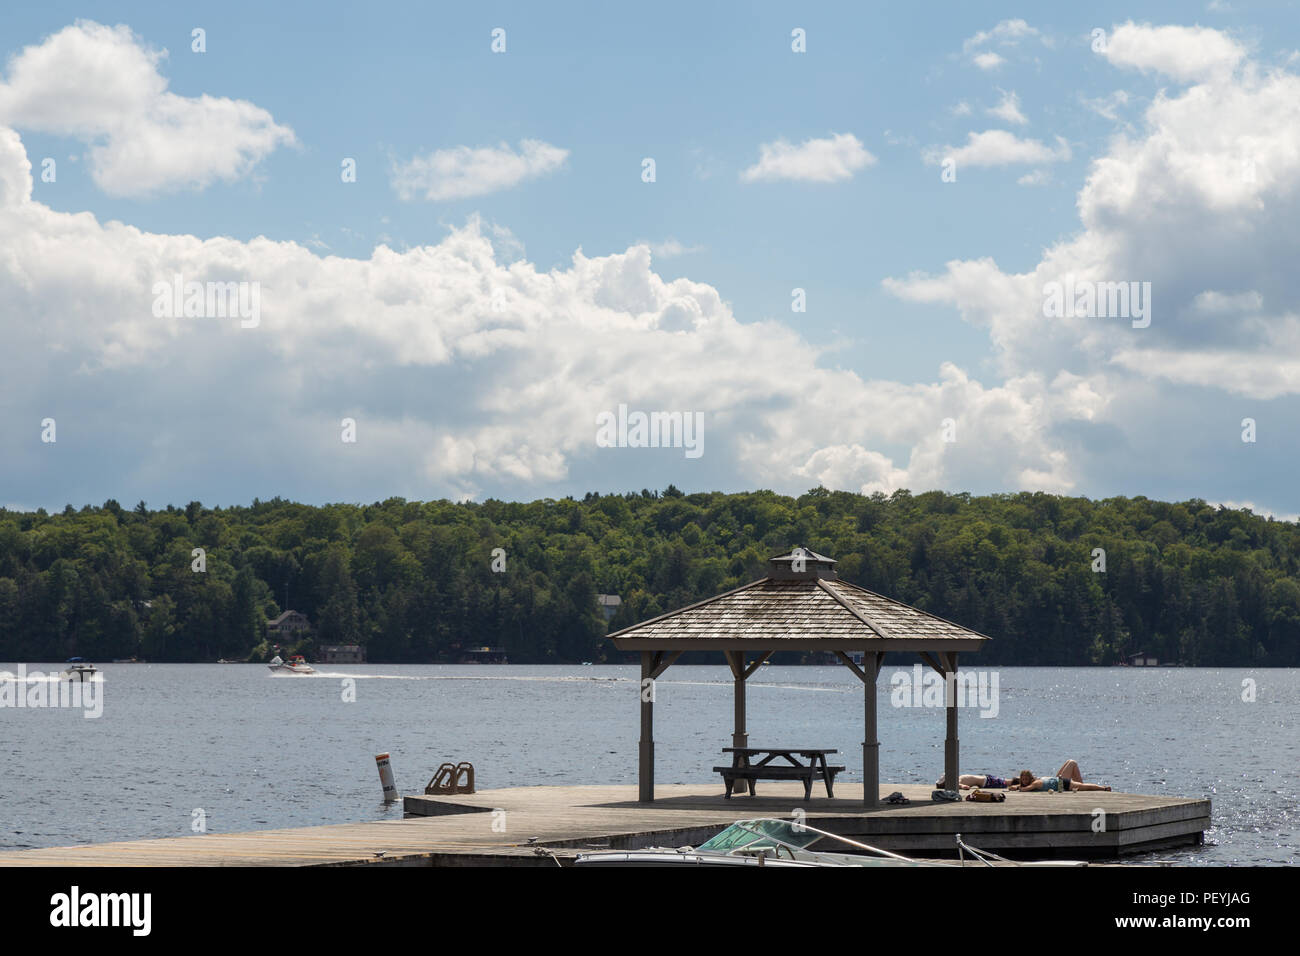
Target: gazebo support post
870	742
646	764
868	673
739	735
951	747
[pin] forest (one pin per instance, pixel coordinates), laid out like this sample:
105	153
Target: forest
1187	582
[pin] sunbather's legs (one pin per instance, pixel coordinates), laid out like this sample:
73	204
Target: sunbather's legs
1070	769
1087	786
966	781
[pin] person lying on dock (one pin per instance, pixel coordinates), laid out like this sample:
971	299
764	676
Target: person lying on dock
1067	778
976	781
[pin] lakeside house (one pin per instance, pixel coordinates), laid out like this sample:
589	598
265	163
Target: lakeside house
291	625
609	605
342	654
1142	659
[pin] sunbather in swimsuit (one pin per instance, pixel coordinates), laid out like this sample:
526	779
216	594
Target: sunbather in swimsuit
970	781
1067	778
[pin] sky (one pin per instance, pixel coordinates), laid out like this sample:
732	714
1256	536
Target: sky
466	236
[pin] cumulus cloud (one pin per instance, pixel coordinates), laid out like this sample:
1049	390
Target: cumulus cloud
997	147
463	172
471	370
464	374
102	86
988	60
829	160
1181	53
1200	201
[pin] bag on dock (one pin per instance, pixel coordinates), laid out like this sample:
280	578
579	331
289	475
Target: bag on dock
986	796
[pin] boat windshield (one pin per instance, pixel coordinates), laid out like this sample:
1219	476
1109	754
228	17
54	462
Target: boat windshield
750	835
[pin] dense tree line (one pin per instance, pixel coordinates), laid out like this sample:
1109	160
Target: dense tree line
414	581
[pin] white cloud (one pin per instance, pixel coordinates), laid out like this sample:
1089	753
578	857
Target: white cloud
1107	106
997	147
670	248
1213	302
101	85
1202	202
1182	53
1006	33
462	372
1008	109
829	160
462	172
1247	372
470	373
1252	507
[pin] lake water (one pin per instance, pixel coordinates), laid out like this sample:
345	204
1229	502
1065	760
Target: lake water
253	749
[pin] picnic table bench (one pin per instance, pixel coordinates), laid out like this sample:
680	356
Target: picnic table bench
744	767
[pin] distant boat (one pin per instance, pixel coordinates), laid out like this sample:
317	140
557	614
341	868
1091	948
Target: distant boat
483	655
296	664
80	669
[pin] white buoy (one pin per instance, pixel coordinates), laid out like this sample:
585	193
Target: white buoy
386	778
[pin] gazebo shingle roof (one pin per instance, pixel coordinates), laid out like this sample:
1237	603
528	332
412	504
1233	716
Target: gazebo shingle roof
804	609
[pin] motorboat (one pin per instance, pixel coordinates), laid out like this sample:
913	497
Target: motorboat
296	664
80	669
775	842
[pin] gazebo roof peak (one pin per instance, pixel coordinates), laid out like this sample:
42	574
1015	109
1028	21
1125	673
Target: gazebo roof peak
801	564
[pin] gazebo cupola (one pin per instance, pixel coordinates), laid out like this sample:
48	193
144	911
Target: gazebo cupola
801	564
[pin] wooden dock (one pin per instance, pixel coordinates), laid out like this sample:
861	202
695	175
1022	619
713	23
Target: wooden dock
546	826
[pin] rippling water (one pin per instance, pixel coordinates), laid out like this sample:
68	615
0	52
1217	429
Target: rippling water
254	749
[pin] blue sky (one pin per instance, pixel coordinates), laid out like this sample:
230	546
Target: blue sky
850	393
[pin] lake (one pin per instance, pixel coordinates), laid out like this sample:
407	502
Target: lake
251	749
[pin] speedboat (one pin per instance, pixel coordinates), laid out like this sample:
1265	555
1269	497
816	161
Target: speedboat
80	669
774	842
296	664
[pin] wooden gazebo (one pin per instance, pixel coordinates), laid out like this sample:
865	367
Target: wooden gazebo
800	606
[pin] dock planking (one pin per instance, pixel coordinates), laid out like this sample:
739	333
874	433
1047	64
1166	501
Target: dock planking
548	825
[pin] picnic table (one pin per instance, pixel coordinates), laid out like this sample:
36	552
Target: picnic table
755	763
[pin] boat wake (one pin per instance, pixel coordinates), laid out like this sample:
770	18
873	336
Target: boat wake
39	677
555	679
